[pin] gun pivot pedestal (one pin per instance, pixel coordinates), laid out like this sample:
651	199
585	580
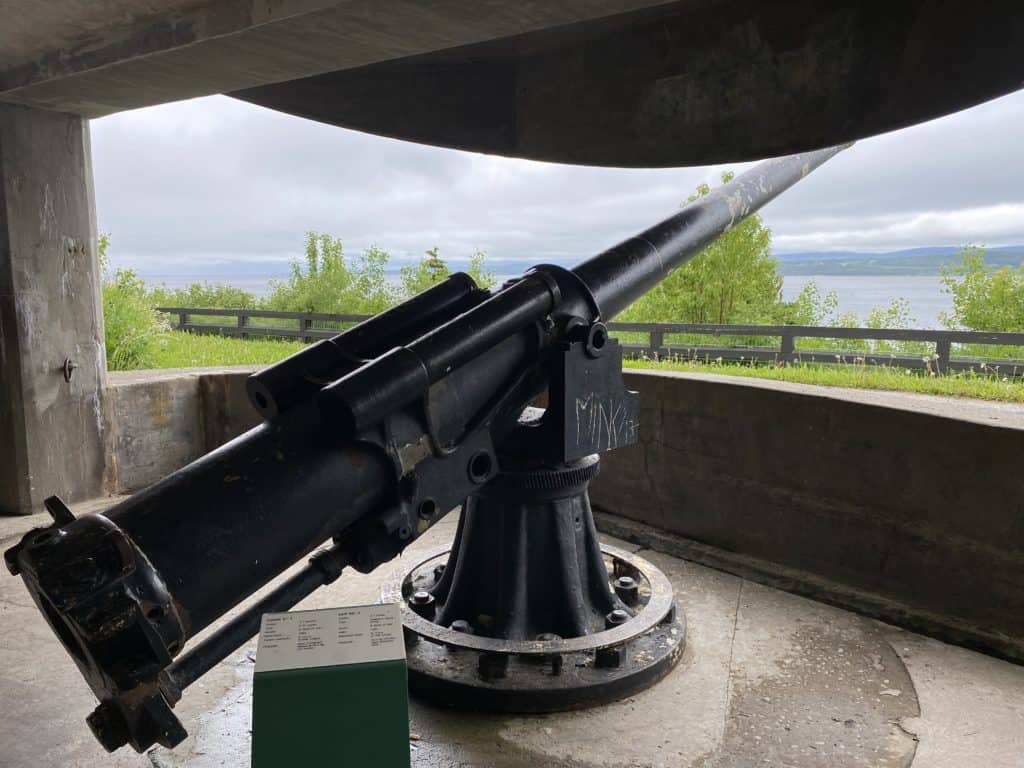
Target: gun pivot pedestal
527	612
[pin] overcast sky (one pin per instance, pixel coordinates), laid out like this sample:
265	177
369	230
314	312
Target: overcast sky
209	184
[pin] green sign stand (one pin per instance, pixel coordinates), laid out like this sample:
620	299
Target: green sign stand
330	689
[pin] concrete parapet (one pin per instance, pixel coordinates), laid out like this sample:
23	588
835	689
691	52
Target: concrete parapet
905	506
162	420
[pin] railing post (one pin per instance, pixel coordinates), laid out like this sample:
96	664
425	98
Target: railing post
182	320
243	321
942	351
787	347
305	324
657	344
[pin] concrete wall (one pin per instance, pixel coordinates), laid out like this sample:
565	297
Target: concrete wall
95	57
908	507
162	420
905	507
51	430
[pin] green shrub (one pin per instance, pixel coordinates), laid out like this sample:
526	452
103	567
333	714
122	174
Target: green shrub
329	282
983	299
204	295
131	326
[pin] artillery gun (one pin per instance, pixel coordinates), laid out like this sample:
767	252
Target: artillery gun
369	439
498	403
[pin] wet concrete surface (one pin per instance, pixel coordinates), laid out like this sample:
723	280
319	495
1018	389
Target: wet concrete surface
767	679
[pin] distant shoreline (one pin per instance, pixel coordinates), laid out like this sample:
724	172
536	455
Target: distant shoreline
817	269
913	262
920	262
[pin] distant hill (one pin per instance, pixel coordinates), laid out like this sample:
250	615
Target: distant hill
911	261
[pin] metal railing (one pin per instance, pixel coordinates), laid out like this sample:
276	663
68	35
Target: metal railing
939	355
307	326
665	340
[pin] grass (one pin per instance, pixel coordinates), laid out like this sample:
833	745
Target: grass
176	349
984	386
185	350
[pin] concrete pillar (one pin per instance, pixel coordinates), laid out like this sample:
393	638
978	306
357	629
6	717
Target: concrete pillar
51	430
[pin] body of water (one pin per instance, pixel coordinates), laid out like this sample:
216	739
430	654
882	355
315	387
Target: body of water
257	286
857	293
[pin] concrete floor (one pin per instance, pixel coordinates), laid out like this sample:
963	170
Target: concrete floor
767	679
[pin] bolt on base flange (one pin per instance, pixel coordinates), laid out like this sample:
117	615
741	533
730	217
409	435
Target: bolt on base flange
458	668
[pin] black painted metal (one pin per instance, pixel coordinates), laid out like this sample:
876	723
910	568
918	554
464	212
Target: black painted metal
526	579
457	667
298	378
622	274
526	558
324	568
371	459
224	525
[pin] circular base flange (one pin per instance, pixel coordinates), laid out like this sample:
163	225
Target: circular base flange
545	675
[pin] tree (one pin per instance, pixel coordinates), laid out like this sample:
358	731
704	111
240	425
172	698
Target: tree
983	299
432	269
811	308
733	280
328	282
429	270
373	292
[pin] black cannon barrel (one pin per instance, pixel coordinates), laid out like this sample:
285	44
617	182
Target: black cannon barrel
221	527
624	273
227	523
299	377
612	280
281	490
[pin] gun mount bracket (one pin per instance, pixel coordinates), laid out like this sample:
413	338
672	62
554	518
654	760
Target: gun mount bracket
456	667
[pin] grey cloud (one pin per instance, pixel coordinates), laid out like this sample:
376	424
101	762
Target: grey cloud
214	181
